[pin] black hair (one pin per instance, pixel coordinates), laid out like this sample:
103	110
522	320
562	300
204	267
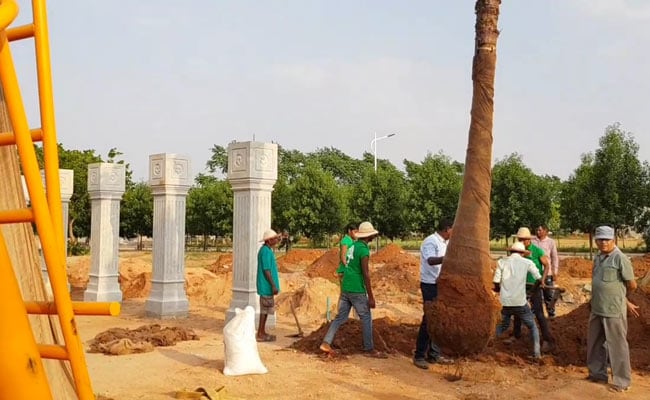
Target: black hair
351	226
445	224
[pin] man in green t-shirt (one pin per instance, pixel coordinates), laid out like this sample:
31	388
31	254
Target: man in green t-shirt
268	282
534	292
344	246
356	292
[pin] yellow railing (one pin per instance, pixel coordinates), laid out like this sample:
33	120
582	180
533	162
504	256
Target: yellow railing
17	381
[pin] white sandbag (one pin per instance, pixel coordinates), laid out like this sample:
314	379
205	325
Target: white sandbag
241	355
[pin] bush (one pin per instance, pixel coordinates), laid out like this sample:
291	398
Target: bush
78	249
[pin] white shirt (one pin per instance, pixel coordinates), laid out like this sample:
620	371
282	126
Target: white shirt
511	274
433	246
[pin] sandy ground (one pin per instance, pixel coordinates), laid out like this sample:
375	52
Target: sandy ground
296	374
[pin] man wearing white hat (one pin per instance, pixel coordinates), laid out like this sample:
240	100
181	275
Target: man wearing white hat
356	292
268	282
613	278
510	282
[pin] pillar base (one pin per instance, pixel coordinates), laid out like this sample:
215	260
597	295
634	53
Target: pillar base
167	300
103	288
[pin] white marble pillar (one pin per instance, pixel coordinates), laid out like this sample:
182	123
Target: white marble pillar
170	180
252	172
106	185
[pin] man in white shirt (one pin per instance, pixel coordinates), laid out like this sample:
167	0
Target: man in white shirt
432	252
510	281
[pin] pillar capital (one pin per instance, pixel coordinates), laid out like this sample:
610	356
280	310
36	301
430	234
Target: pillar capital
106	178
252	160
170	170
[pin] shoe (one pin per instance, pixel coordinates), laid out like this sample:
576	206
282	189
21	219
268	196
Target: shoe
551	317
548	347
509	340
375	354
326	348
618	389
420	363
439	360
594	379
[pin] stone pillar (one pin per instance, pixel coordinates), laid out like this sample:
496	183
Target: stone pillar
252	172
106	184
170	180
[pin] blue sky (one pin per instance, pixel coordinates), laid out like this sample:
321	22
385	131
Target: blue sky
161	76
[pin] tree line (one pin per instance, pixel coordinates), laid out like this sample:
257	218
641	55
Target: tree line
318	193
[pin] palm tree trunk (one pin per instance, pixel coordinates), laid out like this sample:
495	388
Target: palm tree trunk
464	317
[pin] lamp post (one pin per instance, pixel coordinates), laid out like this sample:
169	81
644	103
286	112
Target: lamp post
373	145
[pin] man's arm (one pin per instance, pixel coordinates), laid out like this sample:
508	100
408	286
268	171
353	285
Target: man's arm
496	280
546	262
267	275
344	254
555	259
366	281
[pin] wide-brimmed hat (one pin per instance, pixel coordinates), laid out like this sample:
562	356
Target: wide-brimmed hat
517	247
366	230
269	234
523	233
604	232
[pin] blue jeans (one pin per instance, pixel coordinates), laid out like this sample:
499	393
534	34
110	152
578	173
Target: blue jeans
360	303
424	345
535	297
526	316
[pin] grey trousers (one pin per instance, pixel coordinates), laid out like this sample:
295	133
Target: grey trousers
607	337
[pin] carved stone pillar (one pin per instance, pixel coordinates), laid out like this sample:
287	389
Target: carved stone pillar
252	172
170	180
106	184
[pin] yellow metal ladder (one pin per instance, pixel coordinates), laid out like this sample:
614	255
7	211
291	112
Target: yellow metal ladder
21	369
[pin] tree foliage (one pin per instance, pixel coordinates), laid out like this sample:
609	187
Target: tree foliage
136	212
209	208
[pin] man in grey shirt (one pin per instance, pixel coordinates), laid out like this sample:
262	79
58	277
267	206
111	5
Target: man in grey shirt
612	278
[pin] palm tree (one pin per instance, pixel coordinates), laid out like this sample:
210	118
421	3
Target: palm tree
464	317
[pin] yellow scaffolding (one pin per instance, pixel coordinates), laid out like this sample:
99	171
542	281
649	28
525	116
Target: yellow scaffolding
21	368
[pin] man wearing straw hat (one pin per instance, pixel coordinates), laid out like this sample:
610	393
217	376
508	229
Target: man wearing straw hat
510	282
356	292
268	283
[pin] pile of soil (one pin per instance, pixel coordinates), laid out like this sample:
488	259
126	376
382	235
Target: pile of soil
309	298
398	275
388	335
641	264
387	253
119	341
223	264
576	267
325	266
298	259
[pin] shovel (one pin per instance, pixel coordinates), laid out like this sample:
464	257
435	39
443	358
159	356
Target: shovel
295	317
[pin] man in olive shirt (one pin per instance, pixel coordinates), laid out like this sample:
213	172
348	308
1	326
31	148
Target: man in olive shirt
356	292
612	278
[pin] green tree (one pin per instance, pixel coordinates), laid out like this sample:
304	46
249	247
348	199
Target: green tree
434	186
218	162
209	208
136	212
316	206
519	197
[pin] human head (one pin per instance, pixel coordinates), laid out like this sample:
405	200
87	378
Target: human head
366	232
270	238
351	229
542	231
523	235
605	239
445	228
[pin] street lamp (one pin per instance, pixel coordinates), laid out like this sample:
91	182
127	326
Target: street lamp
373	145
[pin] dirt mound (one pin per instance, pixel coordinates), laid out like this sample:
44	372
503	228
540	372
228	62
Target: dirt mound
641	264
387	253
118	341
388	335
298	259
203	287
310	299
325	266
400	274
576	267
223	264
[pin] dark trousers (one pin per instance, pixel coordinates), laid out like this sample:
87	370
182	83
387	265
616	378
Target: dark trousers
550	296
424	346
537	306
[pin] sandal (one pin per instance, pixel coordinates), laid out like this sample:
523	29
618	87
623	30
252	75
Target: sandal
375	354
267	338
618	389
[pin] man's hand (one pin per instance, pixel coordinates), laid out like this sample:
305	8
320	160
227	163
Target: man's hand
371	302
633	308
275	290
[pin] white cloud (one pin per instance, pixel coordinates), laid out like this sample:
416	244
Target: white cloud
635	10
